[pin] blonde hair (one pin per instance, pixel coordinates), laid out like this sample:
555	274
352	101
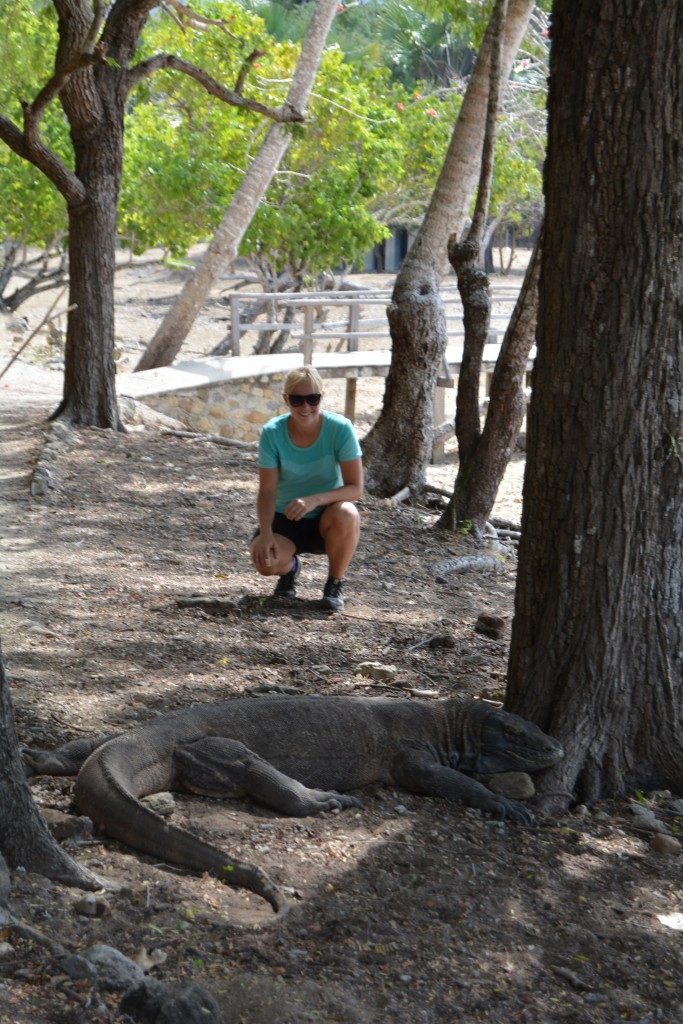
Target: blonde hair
303	374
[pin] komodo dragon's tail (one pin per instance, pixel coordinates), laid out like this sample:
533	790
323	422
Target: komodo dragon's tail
107	795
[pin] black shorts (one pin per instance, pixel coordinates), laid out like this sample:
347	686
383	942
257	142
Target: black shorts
303	533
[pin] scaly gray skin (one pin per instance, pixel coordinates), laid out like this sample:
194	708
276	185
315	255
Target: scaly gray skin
296	755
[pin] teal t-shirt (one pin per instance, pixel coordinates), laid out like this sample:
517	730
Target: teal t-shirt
304	471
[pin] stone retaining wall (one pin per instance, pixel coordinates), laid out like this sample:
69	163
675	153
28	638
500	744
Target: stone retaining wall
236	408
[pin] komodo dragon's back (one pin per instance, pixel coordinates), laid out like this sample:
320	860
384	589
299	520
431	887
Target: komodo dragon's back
298	755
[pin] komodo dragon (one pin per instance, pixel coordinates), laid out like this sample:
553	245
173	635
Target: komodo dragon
296	755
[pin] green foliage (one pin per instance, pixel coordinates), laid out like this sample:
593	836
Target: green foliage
32	210
186	153
368	155
318	211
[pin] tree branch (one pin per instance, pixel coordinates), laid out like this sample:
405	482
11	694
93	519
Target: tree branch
244	70
45	160
52	88
169	60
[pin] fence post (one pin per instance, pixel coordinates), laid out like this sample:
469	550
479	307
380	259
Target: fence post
307	339
352	346
235	327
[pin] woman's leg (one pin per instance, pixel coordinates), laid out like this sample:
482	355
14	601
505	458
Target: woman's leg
340	530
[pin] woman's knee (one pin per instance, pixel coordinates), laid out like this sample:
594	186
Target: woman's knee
342	516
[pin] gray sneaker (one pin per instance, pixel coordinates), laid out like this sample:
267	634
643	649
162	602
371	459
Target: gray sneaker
286	585
333	599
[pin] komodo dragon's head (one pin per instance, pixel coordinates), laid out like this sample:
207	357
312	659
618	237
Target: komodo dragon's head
505	742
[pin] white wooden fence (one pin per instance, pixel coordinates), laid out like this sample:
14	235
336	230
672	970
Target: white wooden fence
361	333
357	327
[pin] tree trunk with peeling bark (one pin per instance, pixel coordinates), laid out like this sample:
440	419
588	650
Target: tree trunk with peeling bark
597	642
25	840
481	466
398	448
178	321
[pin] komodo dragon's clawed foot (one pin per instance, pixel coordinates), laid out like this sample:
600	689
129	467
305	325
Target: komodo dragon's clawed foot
332	801
511	810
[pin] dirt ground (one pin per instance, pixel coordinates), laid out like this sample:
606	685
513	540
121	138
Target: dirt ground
408	910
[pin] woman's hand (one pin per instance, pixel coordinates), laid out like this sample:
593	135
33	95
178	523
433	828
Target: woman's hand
264	551
298	508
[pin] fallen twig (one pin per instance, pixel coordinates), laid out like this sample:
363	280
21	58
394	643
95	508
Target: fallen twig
228	442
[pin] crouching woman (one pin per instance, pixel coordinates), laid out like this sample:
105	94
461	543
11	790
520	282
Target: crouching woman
310	475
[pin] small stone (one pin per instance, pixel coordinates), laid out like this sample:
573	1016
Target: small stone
513	785
601	816
401	809
677	806
92	906
6	949
115	971
376	670
162	804
581	811
665	845
490	625
645	819
155	1001
78	968
41	482
66	826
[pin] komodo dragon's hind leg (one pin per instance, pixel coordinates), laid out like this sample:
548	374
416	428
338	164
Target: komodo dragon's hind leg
227	768
66	760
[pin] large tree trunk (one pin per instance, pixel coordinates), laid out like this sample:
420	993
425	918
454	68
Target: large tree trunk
597	644
90	372
398	447
93	99
24	837
176	325
481	470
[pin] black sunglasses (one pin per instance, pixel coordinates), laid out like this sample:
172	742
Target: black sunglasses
298	400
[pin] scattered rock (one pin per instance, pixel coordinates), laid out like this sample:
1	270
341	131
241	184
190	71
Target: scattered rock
91	905
6	949
376	670
490	625
149	958
114	971
152	1002
513	785
677	806
646	820
665	845
442	641
42	482
66	826
78	968
162	804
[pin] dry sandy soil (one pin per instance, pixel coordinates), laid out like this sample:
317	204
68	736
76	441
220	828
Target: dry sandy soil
408	910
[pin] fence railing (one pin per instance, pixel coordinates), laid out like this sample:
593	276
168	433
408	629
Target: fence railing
372	333
356	328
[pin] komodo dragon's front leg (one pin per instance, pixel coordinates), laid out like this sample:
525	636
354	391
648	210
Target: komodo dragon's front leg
418	769
227	768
